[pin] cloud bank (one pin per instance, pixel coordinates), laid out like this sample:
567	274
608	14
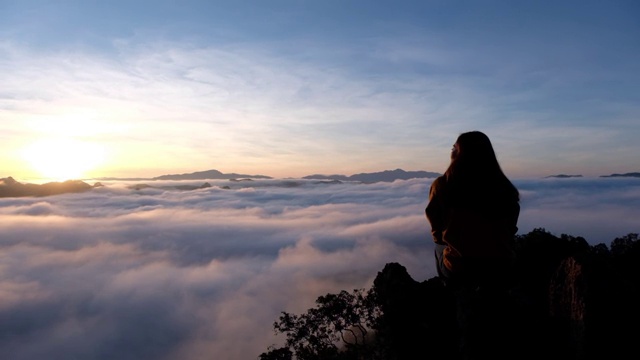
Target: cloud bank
167	274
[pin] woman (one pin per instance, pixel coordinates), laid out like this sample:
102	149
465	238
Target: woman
473	211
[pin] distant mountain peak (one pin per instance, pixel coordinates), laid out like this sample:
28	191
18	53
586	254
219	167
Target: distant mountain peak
208	174
9	187
381	176
8	181
630	174
563	176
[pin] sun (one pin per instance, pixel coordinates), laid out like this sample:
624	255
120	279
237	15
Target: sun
61	159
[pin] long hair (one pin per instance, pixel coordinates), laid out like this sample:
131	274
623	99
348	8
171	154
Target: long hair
474	174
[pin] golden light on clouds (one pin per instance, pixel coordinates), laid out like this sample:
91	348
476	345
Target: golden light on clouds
59	159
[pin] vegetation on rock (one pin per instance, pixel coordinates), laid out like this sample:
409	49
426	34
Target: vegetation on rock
568	300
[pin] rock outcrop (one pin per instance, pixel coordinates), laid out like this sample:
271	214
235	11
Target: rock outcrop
569	301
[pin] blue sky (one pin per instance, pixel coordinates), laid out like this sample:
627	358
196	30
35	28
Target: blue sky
291	88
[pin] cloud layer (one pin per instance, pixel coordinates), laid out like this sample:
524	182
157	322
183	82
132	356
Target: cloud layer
166	274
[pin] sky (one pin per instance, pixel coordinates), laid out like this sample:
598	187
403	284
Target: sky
163	274
291	88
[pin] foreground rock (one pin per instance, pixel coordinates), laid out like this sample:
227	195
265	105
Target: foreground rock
569	301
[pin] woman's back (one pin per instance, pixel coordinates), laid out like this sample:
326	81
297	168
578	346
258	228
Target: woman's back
474	208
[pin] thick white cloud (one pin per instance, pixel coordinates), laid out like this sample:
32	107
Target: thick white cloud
598	209
160	273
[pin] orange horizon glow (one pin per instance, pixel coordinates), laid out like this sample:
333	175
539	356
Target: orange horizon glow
60	159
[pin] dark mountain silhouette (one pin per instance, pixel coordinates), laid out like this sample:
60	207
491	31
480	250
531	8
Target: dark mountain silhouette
568	300
630	174
383	176
9	187
386	176
198	175
563	176
176	187
208	174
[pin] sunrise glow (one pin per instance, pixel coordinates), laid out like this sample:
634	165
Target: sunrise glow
62	159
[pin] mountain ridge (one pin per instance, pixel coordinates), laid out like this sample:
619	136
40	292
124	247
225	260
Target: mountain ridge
9	187
208	174
368	177
629	174
380	176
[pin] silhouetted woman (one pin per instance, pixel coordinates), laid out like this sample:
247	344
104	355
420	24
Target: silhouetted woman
473	211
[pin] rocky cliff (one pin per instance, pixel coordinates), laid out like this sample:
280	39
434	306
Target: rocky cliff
567	300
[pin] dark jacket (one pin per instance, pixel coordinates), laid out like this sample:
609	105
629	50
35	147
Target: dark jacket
481	233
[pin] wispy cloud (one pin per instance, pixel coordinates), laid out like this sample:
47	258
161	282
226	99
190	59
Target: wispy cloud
227	105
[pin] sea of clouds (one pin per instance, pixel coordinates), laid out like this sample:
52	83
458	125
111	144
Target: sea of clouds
160	273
